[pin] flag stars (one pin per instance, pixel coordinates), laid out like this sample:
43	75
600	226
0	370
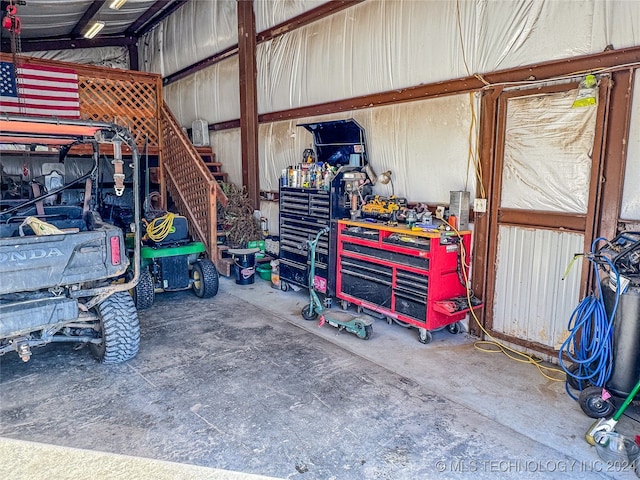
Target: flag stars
7	80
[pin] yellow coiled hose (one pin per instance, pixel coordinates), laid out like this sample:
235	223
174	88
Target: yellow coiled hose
160	227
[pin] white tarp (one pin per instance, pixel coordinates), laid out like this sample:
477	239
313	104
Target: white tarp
194	32
547	153
380	46
211	94
112	57
384	45
270	13
404	138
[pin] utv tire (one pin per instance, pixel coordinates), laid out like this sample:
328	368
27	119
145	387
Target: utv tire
205	278
119	328
144	291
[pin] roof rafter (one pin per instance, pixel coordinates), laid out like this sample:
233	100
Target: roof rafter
68	44
150	18
86	18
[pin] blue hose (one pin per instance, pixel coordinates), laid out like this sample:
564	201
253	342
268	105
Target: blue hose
589	344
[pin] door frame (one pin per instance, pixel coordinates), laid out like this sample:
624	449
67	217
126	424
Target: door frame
493	124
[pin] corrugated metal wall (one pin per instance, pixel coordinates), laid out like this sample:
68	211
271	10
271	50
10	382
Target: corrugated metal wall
532	301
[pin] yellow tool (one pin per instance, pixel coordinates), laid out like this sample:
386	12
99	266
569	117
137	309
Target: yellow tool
381	206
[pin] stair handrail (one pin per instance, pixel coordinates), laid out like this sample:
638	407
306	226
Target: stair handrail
188	180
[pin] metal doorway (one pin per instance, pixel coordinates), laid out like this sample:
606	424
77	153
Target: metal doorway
545	198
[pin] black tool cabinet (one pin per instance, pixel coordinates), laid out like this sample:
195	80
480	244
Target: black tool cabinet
305	211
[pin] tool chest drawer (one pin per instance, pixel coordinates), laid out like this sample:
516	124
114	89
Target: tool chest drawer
400	273
303	213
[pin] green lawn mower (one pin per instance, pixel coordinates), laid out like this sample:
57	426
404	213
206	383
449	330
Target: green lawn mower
170	261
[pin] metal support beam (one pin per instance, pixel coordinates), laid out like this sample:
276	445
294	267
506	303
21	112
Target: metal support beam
86	18
248	100
68	44
201	65
610	60
150	18
133	56
301	20
305	18
616	141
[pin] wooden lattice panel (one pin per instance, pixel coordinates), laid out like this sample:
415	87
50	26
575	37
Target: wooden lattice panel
126	97
126	102
189	183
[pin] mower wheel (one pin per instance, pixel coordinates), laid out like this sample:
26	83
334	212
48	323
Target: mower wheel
593	405
307	315
143	293
119	328
205	278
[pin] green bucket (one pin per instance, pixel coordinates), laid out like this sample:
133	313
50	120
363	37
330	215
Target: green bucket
264	270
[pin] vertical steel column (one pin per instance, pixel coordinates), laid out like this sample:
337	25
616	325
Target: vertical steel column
132	48
248	100
617	139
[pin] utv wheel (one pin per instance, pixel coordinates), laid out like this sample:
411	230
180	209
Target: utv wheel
119	329
143	293
205	278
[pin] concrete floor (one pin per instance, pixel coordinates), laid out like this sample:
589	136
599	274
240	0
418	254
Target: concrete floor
241	385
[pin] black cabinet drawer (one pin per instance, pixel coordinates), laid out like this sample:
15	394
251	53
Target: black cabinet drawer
412	282
410	305
366	270
399	258
367	289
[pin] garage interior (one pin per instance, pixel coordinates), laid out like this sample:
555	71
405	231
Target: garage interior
511	126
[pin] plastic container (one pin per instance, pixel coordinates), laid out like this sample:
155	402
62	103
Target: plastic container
264	270
245	268
259	244
615	448
275	274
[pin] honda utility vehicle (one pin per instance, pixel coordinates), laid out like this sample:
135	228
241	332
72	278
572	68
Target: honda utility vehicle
64	273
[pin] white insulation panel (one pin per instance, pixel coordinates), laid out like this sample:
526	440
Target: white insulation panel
630	209
547	153
384	45
211	94
270	13
425	144
532	301
192	33
381	46
226	145
112	57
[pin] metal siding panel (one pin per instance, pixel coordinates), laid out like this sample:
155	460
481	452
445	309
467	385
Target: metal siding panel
532	301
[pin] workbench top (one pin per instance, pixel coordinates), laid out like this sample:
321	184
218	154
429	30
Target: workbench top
403	229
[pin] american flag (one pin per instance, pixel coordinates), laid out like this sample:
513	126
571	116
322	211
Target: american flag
39	90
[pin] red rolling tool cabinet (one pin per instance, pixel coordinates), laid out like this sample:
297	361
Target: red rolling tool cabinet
412	277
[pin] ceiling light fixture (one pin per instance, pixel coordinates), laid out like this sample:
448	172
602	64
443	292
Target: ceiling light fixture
94	29
117	4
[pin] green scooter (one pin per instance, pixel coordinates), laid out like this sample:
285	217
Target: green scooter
360	325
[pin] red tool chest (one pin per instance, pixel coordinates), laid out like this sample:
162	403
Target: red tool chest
411	276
